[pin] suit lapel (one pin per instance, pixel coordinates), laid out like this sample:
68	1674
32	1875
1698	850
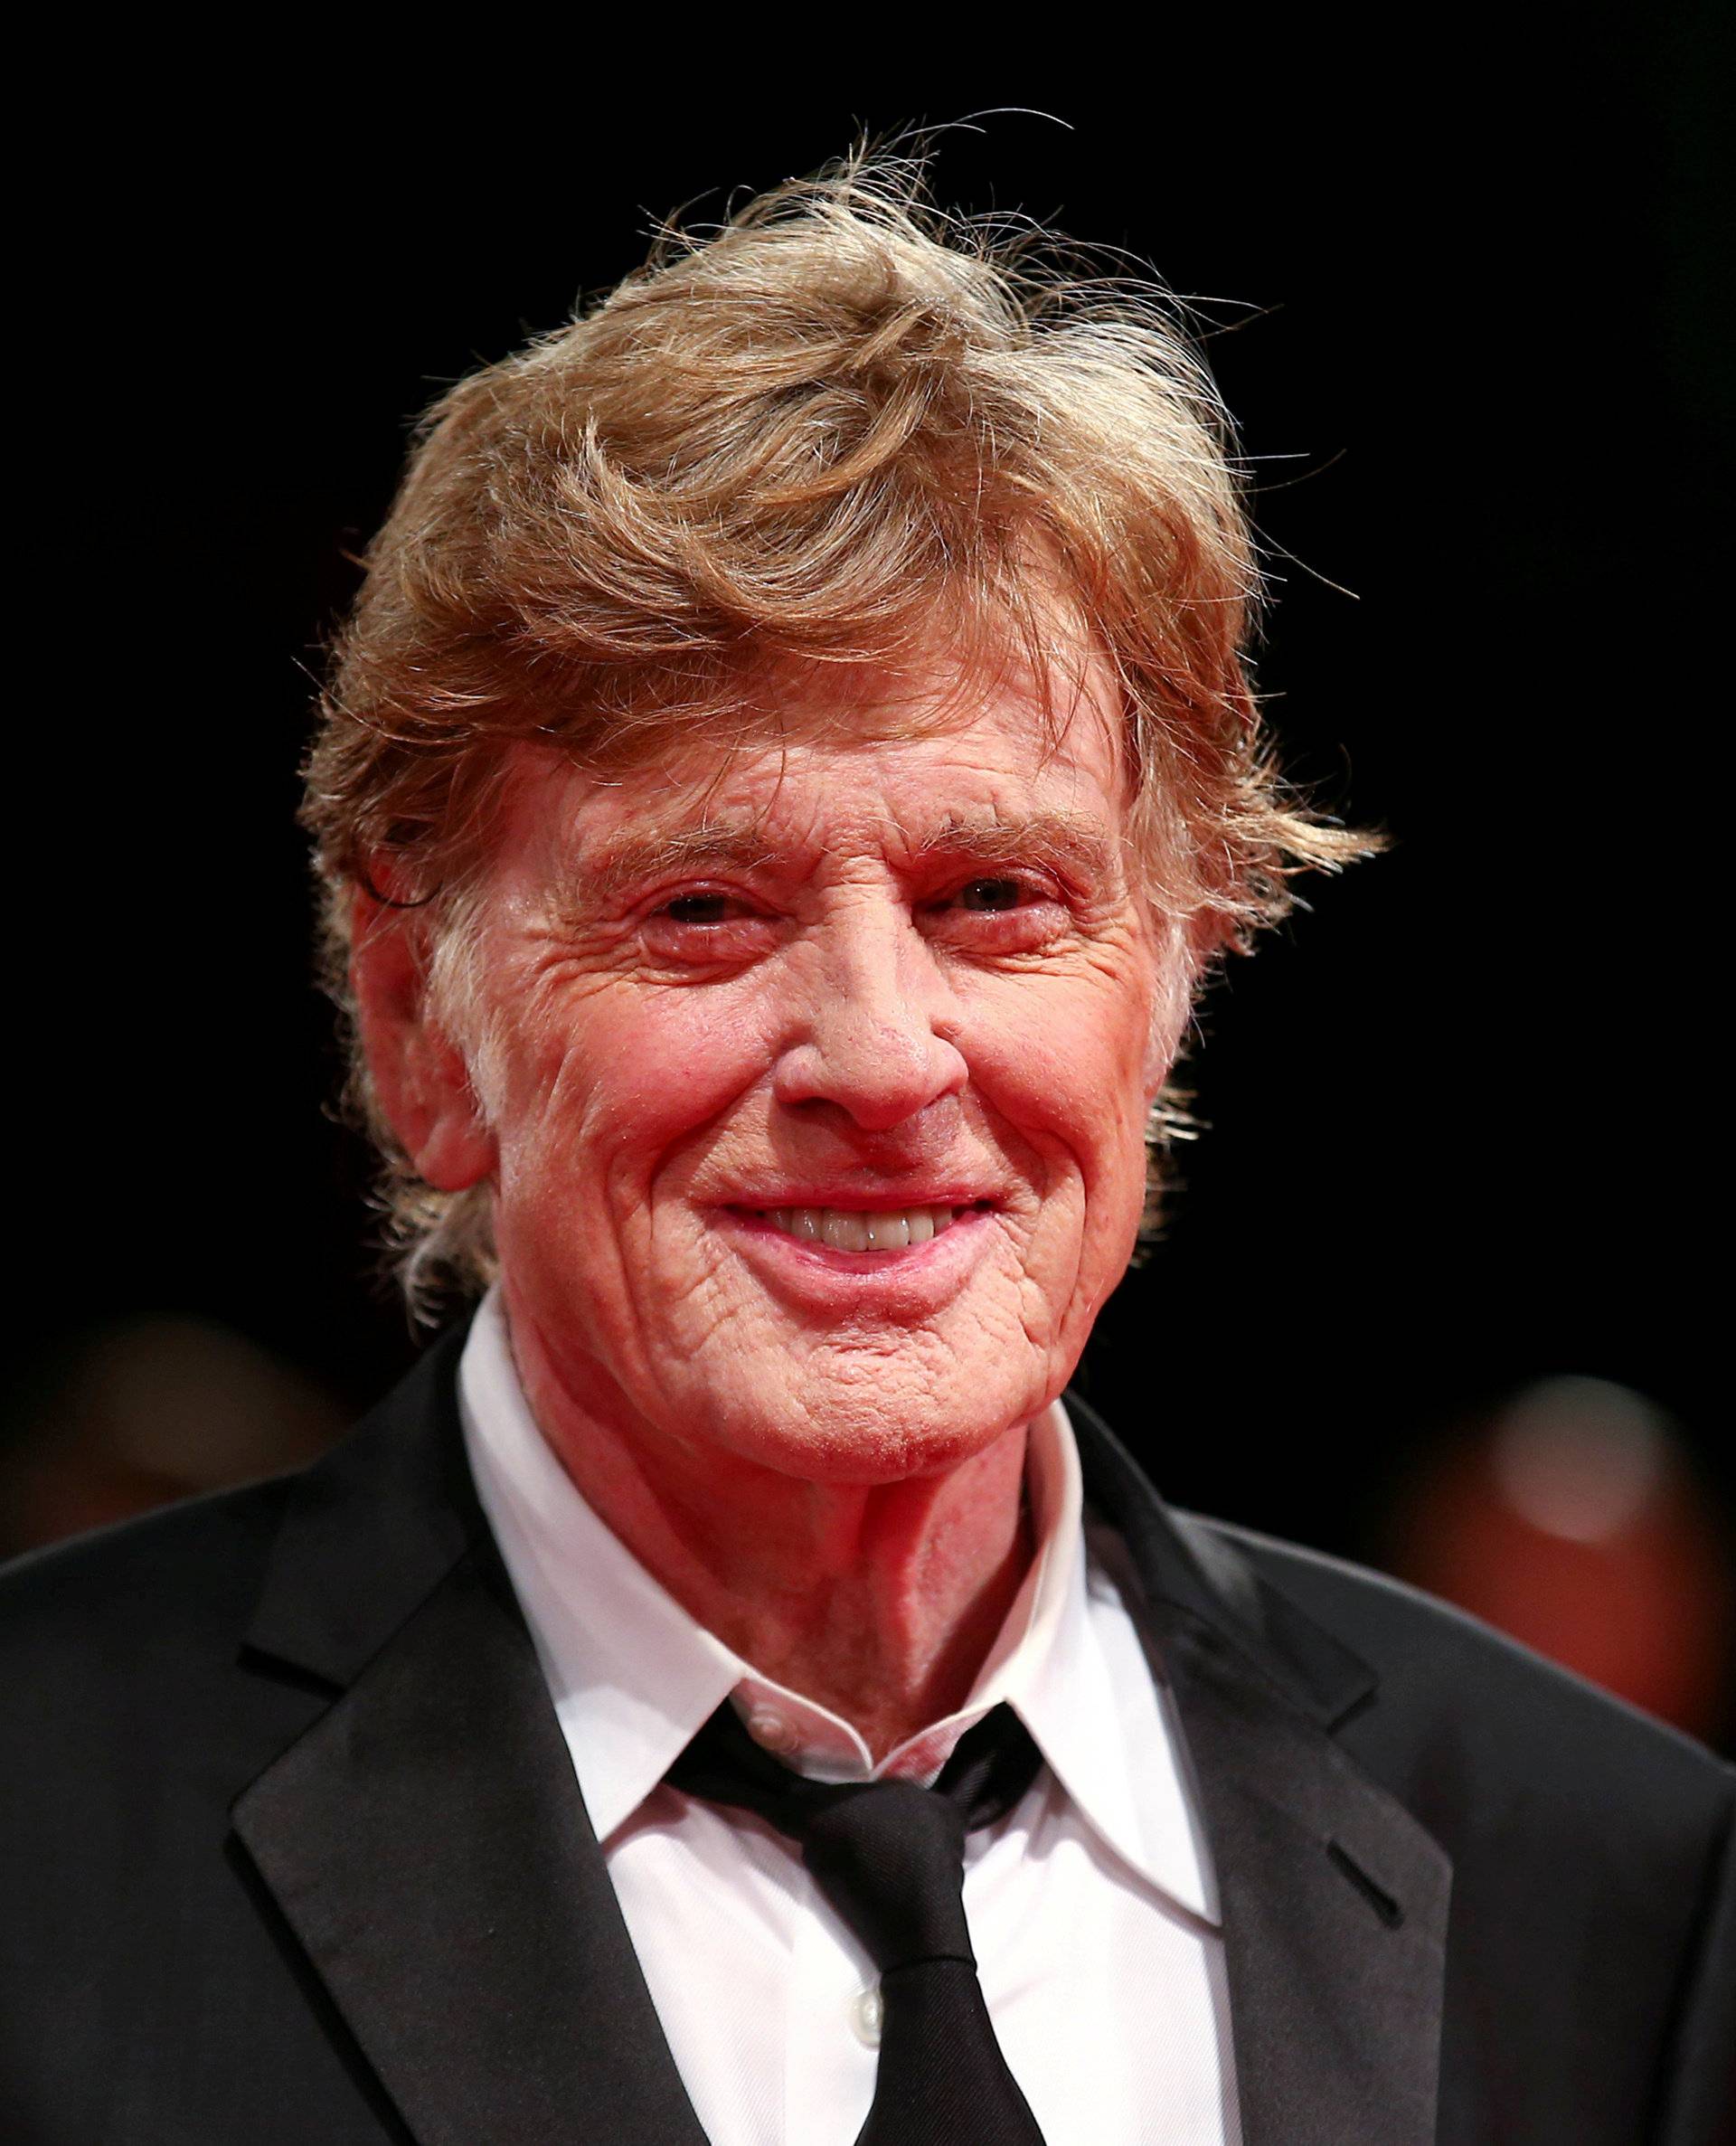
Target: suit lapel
425	1840
1334	1897
1335	1911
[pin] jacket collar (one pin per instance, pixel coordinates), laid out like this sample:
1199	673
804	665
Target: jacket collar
425	1839
1200	1573
372	1528
1334	1898
428	1844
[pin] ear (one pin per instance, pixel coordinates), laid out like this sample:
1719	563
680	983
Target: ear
420	1079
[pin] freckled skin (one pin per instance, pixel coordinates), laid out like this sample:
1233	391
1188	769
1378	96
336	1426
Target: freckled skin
857	988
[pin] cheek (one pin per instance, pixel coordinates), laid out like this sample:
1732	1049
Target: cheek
608	1081
1068	1069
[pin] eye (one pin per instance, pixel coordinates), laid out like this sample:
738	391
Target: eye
695	929
999	912
998	893
703	907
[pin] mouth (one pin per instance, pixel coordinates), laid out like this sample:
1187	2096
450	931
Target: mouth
884	1230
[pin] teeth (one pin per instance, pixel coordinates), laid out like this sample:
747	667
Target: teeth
846	1229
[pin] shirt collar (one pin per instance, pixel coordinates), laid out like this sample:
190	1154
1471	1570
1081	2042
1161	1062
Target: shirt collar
634	1677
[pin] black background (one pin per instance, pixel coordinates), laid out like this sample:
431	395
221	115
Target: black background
1461	1114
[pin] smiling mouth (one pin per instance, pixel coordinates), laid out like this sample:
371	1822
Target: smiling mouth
851	1229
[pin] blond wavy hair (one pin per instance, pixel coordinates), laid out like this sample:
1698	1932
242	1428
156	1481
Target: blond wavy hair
844	427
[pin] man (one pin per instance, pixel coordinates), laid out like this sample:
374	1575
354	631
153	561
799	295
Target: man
787	772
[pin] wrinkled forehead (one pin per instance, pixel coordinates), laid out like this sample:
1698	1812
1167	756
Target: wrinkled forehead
830	750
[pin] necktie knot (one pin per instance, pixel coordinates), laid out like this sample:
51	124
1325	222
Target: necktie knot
890	1856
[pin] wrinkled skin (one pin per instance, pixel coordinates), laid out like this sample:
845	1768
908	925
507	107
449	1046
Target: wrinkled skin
840	971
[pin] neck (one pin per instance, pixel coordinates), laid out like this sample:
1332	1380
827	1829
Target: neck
880	1602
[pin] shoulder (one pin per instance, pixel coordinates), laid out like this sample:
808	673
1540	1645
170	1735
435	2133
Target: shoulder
183	1560
188	1646
180	1585
126	1714
161	1593
1592	1849
1458	1711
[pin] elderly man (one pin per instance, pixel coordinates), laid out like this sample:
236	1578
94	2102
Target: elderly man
787	773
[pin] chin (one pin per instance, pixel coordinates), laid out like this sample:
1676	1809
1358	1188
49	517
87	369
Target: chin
870	1420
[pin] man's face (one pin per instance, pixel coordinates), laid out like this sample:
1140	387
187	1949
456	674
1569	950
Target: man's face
819	1082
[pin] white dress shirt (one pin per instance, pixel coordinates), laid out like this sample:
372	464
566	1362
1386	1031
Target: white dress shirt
1091	1903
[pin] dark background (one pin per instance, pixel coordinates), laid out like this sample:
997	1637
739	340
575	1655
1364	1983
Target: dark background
1465	301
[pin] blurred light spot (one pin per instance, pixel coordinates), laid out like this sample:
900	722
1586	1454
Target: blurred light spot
1581	1458
1570	1516
134	1414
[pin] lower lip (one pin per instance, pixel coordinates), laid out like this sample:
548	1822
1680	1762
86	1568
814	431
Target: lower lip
918	1272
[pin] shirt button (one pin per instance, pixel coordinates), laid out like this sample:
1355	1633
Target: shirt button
867	2013
770	1729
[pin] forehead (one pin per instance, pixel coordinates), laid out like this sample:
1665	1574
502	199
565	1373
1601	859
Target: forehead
843	754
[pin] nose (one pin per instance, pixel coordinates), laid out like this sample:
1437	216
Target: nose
869	1038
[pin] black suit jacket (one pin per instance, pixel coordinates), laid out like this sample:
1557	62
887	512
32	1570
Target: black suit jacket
295	1853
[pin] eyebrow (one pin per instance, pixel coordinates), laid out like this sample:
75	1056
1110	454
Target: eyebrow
1068	841
635	859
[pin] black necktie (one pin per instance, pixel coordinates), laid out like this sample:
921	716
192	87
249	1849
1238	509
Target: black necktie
890	1856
